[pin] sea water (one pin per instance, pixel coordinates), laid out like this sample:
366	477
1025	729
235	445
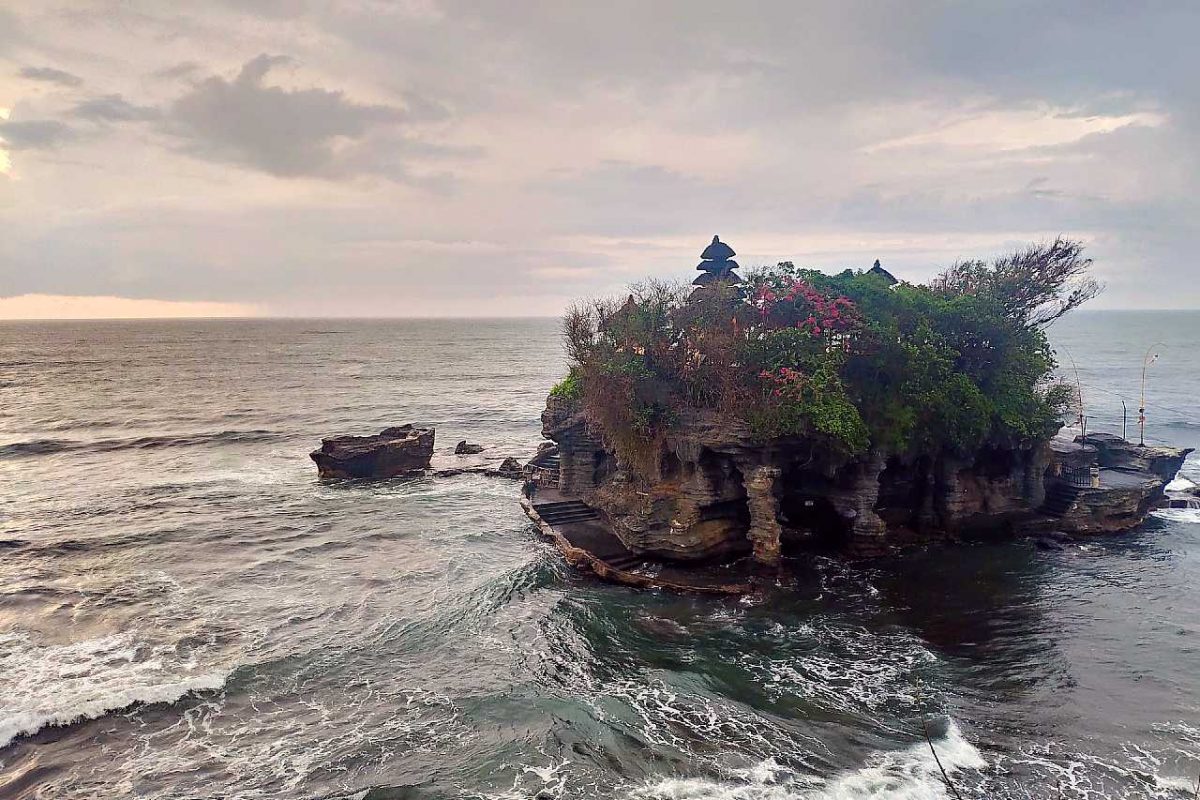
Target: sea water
186	612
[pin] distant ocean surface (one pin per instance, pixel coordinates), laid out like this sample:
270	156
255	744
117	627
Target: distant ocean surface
186	612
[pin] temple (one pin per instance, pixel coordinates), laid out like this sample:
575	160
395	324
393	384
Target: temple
711	500
717	265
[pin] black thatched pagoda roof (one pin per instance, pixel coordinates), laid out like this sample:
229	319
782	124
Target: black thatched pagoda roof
717	251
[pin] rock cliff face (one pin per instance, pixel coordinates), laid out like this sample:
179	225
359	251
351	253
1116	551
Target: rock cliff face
1113	452
716	493
1121	502
394	452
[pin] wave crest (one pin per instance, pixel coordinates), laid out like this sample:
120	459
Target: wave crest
908	774
61	685
40	447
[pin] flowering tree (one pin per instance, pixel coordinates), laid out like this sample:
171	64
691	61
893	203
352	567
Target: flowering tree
801	306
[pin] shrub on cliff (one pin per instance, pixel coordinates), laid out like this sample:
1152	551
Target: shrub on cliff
847	361
570	387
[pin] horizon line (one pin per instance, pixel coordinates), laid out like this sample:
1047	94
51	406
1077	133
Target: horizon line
277	318
426	317
448	317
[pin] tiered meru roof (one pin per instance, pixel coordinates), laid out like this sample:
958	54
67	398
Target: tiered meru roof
717	264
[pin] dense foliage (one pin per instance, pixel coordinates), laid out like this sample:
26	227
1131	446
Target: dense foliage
848	361
570	387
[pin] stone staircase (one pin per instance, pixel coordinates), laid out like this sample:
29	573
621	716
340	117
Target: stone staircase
624	562
565	511
587	441
1059	499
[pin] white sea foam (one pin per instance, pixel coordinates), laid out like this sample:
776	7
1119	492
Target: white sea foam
542	782
278	745
1180	484
1178	514
908	774
848	669
1137	773
43	686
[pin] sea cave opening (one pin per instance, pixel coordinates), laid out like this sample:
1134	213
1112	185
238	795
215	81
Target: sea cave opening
811	522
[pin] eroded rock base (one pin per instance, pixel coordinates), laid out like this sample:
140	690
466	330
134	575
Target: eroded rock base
717	496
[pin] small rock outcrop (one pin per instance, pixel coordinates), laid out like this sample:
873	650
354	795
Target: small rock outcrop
509	468
465	448
394	452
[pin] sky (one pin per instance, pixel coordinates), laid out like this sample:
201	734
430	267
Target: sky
444	158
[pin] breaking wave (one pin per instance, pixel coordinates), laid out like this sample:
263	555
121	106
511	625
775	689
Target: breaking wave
1180	484
908	774
60	685
1177	514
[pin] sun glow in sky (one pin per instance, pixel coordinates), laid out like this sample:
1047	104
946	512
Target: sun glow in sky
40	307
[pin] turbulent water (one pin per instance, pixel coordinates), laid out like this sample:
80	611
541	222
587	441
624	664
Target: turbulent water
187	612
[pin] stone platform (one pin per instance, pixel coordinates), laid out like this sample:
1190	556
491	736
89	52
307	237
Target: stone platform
588	544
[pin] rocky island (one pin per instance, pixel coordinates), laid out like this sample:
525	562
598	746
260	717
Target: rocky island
400	451
705	433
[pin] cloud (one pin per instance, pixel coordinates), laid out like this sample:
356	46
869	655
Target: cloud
51	75
113	108
181	70
284	132
571	148
10	30
1017	129
38	134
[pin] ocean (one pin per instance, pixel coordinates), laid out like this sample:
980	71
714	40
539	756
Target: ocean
187	612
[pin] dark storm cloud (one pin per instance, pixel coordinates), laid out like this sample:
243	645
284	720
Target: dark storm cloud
51	75
285	132
36	134
113	108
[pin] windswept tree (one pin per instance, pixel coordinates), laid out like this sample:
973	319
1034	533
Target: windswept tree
1036	285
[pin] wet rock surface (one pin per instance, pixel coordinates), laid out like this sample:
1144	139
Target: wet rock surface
509	468
394	452
1121	501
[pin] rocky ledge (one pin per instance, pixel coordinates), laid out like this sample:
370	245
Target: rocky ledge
717	495
394	452
1127	482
